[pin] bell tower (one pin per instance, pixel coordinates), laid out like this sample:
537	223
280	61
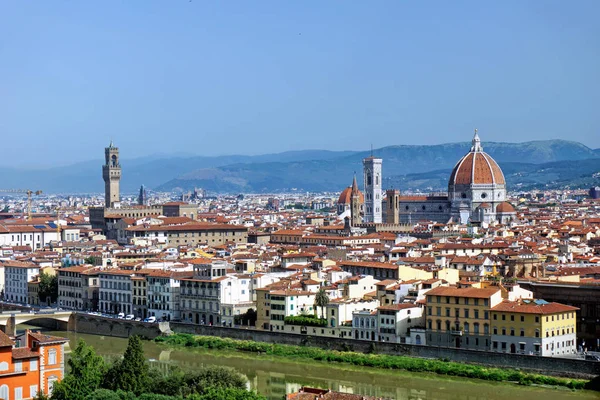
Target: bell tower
111	173
372	176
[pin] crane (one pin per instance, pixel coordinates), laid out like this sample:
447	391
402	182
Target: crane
29	193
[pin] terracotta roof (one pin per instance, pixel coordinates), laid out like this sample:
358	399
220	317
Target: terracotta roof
463	292
43	338
368	264
477	168
397	307
307	393
346	196
24	352
5	341
505	207
530	307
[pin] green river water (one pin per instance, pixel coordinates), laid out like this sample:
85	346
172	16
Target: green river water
274	377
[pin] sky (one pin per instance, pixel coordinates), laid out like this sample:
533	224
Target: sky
252	77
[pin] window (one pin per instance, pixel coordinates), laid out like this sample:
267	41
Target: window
522	318
18	393
33	390
51	357
51	381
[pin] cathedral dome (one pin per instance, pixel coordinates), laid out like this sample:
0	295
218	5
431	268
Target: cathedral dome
477	168
346	196
505	208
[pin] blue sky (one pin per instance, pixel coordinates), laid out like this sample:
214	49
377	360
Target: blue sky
250	77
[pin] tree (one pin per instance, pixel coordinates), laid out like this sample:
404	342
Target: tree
227	394
247	319
48	287
131	374
321	300
87	371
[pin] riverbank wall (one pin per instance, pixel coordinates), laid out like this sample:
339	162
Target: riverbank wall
574	368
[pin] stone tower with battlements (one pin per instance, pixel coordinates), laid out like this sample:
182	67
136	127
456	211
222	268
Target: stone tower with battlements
373	195
111	173
393	206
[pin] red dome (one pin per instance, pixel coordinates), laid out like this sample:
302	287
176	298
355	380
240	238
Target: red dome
505	208
346	196
477	168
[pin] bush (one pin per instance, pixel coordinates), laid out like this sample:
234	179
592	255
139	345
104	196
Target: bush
442	367
305	320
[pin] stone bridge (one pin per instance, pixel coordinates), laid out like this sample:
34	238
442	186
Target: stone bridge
58	320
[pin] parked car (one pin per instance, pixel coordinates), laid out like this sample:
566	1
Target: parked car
129	317
121	315
151	319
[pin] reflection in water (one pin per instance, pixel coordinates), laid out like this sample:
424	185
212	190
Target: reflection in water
274	377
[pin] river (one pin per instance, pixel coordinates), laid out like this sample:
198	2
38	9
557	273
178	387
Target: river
274	377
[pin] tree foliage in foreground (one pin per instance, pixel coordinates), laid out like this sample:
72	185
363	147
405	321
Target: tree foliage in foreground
130	378
87	371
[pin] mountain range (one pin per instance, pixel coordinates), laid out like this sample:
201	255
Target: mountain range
541	164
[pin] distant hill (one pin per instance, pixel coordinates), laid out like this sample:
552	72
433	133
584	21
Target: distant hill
152	171
312	170
525	176
336	173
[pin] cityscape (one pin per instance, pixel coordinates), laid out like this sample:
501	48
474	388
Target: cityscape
179	255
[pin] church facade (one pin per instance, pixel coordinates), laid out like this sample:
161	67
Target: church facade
476	194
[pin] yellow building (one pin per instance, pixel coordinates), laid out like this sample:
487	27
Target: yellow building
33	291
534	327
460	317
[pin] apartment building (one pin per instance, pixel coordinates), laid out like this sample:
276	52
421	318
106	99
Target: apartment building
31	368
460	317
115	291
212	297
192	234
34	236
285	303
139	295
377	270
16	276
163	293
75	290
395	321
534	327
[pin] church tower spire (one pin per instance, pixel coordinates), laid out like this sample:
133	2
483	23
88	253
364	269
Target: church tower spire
355	203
